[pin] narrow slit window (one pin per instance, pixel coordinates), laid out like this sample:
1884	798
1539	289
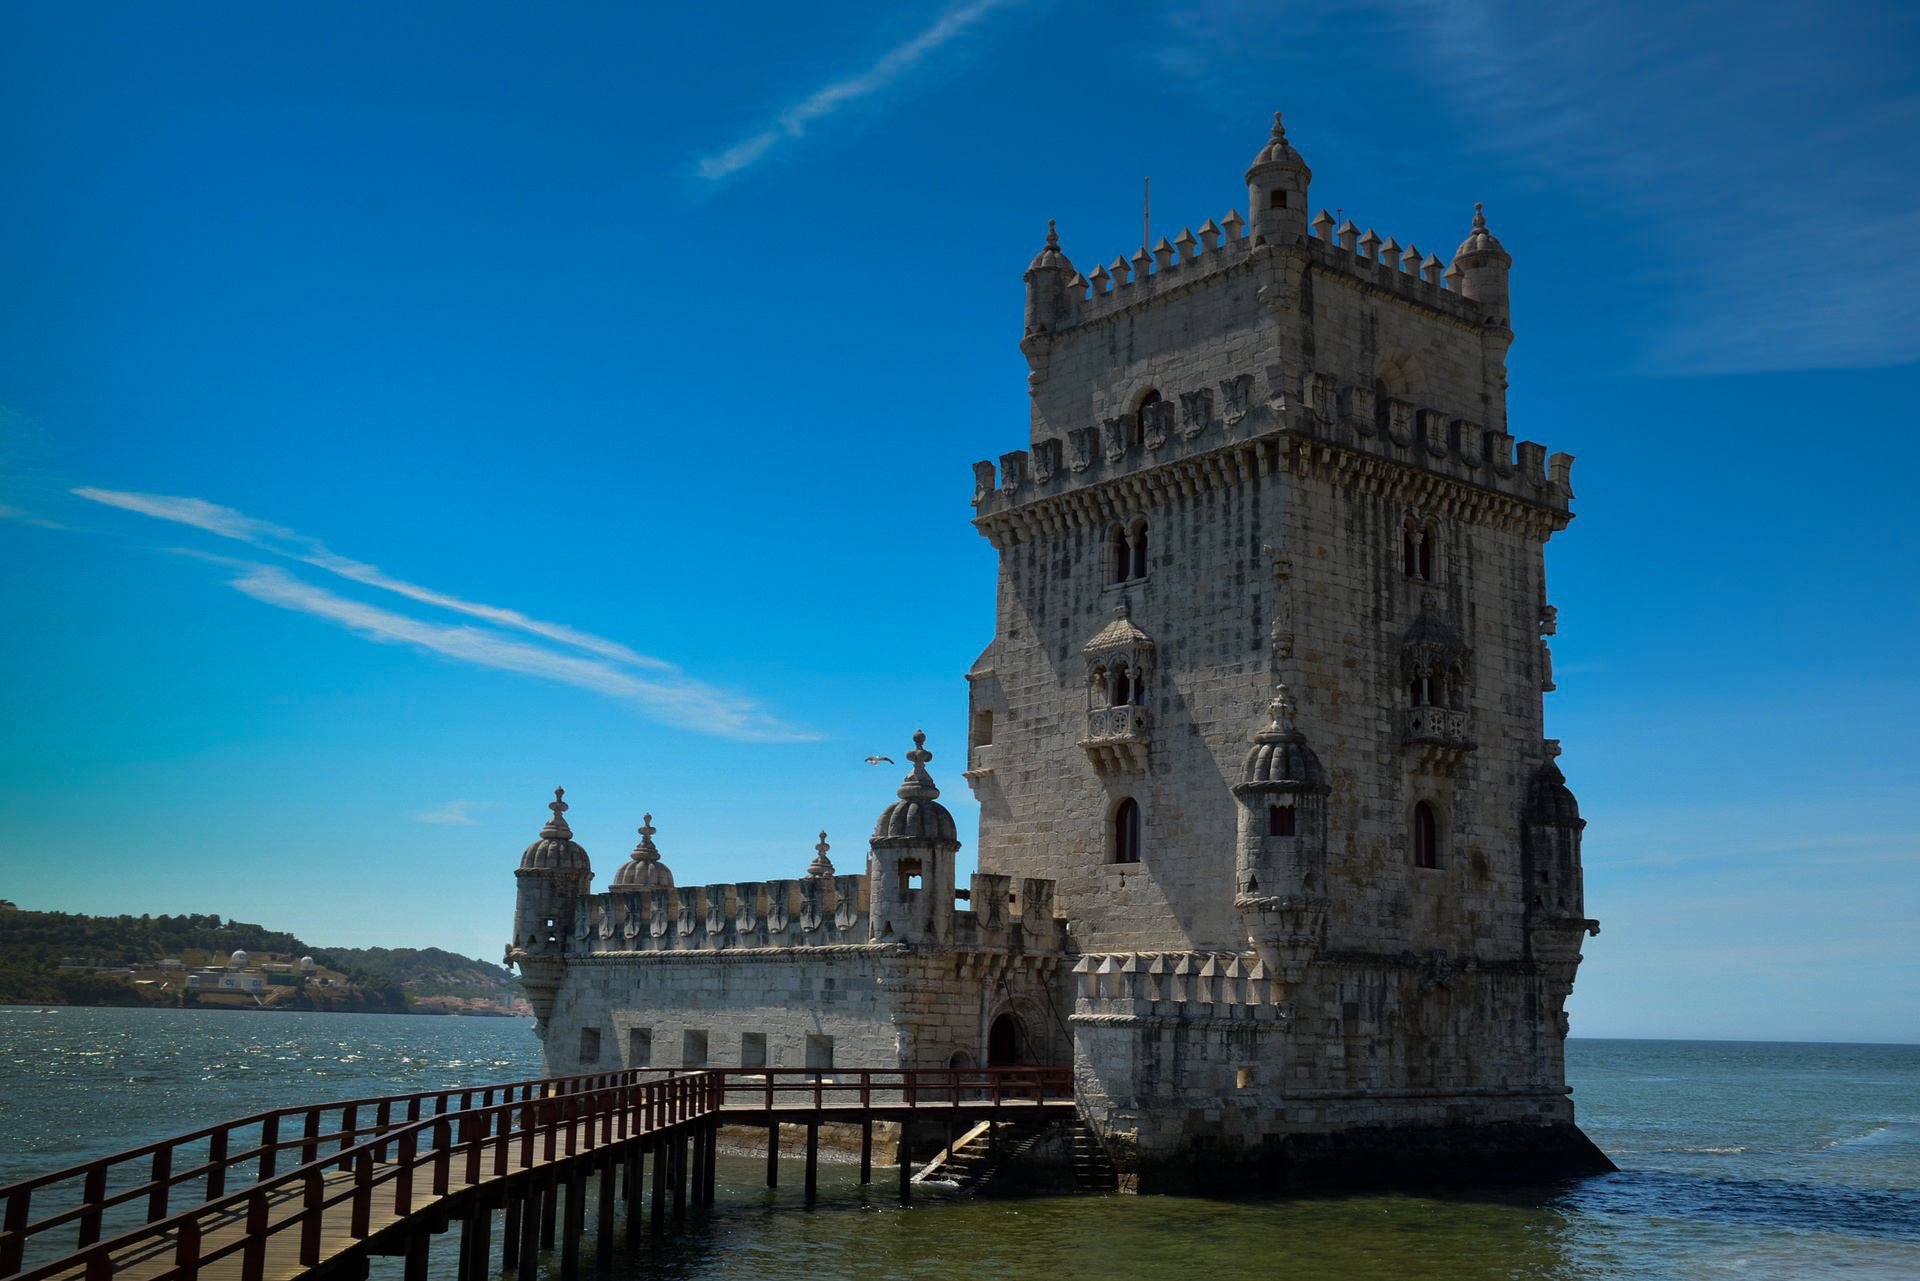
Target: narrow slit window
1126	832
1426	837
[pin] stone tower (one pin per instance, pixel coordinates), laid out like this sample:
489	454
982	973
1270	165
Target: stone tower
554	874
1269	464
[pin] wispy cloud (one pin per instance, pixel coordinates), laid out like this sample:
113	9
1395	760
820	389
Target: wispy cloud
548	650
268	537
451	814
823	102
666	696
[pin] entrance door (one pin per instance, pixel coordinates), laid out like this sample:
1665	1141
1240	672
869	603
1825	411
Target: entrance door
1003	1042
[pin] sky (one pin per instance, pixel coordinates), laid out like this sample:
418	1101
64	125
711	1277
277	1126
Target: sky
405	409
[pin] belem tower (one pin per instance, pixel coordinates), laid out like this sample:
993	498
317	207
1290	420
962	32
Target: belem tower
1272	850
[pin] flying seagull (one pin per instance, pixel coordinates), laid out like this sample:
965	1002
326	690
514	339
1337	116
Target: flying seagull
879	760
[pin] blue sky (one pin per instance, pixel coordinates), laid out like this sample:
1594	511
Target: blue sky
406	408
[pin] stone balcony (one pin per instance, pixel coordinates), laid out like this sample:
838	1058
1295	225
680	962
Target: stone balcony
1439	734
1118	739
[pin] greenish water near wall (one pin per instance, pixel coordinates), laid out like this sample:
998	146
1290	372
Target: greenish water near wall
1755	1161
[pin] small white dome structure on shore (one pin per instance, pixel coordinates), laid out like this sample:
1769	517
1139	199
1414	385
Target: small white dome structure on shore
238	961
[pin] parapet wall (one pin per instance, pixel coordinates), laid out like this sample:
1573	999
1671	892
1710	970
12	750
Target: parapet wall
810	911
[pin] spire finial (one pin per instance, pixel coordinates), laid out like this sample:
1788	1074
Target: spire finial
1479	218
1282	707
821	865
918	785
646	851
1279	130
556	828
1124	609
1053	237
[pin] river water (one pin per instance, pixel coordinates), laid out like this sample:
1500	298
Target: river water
1737	1160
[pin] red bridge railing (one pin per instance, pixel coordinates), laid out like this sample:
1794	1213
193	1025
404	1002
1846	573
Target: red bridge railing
270	1171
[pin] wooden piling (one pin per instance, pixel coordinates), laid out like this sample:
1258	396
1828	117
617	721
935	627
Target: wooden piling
906	1165
419	1247
528	1267
636	1192
603	1227
481	1225
866	1150
549	1209
509	1236
660	1164
576	1223
813	1156
773	1154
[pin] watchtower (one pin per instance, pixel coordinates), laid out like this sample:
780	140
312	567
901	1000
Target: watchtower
1268	463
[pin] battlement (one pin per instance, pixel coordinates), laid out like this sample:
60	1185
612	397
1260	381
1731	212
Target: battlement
809	911
1237	429
1112	289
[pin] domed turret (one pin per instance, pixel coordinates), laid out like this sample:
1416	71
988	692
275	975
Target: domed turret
1550	830
910	860
1050	296
1483	263
643	870
1281	870
1277	184
556	850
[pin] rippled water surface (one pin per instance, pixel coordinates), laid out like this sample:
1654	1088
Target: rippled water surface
1738	1160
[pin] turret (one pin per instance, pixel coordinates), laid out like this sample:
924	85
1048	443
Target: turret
910	861
1277	190
1049	298
1281	871
1482	264
1556	913
554	875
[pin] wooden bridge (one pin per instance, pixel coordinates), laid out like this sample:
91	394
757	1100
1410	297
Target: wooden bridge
317	1191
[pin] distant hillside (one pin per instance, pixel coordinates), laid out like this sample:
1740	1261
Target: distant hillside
64	958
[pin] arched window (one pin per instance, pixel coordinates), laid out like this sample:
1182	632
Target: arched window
1140	549
1126	831
1420	691
1119	556
1456	688
1426	553
1122	688
1138	433
1426	837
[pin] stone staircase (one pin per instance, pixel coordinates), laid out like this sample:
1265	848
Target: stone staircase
979	1158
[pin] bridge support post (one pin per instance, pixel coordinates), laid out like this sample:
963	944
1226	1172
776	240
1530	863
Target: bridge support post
509	1236
906	1164
773	1154
576	1222
480	1225
813	1156
464	1270
713	1157
636	1192
679	1143
603	1231
529	1265
549	1208
697	1165
419	1248
866	1150
659	1185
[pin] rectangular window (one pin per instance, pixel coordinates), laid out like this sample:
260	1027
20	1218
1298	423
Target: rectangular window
693	1049
753	1049
639	1047
819	1052
589	1046
1280	820
983	729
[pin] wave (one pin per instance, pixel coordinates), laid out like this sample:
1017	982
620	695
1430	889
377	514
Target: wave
1796	1207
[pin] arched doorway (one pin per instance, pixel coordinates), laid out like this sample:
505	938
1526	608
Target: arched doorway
1004	1042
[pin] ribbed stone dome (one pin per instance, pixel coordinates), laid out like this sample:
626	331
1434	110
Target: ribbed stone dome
1480	240
643	870
917	818
1280	759
1550	800
1277	152
556	850
1050	258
